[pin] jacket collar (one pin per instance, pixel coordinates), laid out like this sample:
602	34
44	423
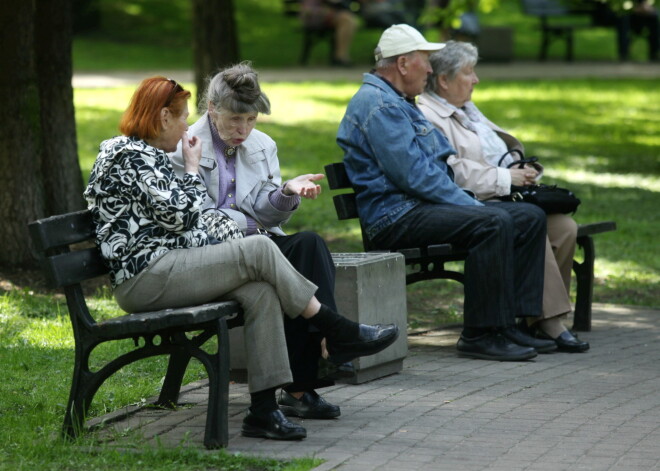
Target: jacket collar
433	102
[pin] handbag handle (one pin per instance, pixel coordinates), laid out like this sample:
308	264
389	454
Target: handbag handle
521	162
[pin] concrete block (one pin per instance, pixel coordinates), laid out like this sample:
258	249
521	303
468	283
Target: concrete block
370	288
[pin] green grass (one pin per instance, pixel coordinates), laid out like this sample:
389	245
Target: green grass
156	34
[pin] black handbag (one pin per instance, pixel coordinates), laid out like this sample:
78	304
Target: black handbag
550	198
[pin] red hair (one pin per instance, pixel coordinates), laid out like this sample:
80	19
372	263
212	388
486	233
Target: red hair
142	117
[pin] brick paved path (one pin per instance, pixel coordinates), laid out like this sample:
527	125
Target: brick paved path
594	411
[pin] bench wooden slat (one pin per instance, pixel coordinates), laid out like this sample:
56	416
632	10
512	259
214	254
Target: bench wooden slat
595	228
144	322
60	230
74	267
337	176
345	206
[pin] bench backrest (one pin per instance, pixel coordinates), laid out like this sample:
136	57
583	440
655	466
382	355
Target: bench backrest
291	7
54	236
544	8
345	203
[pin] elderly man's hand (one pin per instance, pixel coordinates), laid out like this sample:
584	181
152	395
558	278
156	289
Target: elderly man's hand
304	186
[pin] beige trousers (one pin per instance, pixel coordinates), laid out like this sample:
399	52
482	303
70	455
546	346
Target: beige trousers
559	251
251	271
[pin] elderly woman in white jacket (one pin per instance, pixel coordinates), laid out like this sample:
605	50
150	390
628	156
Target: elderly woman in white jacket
241	171
478	166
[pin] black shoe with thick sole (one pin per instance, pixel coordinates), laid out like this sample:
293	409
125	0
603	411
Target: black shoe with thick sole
275	426
309	406
371	340
516	335
493	346
569	343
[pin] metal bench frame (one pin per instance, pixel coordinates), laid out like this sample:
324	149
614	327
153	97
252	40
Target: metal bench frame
178	333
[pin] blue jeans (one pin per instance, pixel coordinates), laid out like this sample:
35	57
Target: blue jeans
506	253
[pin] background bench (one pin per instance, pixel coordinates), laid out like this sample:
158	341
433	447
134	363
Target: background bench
558	19
310	35
427	263
154	333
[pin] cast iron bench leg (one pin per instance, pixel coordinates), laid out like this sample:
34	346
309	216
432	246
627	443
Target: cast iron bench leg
217	415
584	273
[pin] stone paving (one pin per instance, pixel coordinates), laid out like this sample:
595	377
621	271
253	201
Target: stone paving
594	411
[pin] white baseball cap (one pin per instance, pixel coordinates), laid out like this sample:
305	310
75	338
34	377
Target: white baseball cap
401	39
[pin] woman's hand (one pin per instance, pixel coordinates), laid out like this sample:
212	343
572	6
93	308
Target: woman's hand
523	176
191	149
304	186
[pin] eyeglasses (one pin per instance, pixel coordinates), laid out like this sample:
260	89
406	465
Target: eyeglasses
175	89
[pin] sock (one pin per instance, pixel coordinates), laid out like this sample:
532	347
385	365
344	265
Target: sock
472	332
553	327
335	327
263	402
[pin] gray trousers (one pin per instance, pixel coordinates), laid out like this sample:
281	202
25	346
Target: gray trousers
251	271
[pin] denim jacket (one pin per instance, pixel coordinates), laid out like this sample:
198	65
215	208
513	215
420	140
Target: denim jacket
394	157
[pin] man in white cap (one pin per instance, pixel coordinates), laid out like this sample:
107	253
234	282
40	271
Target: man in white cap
407	197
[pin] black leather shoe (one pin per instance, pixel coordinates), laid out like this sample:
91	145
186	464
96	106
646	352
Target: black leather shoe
516	335
493	346
275	426
567	342
371	339
309	406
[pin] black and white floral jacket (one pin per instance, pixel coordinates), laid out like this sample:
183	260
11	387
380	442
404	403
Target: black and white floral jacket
142	210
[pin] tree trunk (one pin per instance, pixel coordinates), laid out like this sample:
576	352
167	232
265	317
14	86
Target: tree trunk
21	192
62	182
37	134
215	40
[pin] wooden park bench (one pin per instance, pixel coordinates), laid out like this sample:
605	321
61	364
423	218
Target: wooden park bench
70	258
311	35
559	19
428	263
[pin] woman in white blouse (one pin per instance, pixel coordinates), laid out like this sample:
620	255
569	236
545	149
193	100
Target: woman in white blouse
484	151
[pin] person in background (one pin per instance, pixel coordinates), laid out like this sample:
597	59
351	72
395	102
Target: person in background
479	166
383	13
335	15
241	171
406	197
641	17
157	243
